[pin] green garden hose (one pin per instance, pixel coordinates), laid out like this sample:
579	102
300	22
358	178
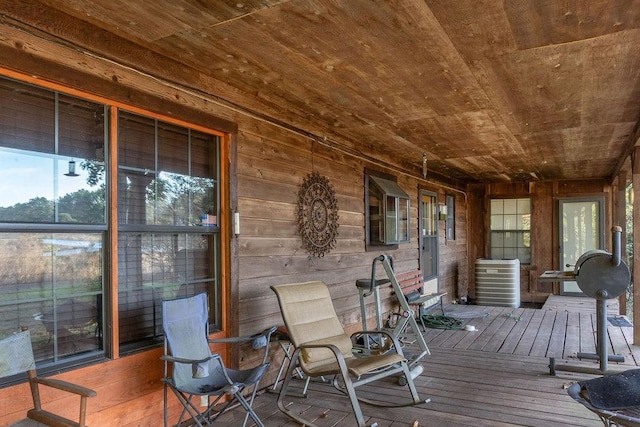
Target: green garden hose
438	321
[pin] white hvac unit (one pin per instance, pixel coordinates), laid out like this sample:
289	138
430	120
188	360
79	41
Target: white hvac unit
498	282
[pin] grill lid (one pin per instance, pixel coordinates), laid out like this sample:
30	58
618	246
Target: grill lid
599	277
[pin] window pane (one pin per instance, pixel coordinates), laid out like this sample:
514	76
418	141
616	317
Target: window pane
510	206
524	206
510	253
451	218
403	220
27	117
136	141
52	283
430	254
392	215
510	239
497	239
59	181
497	253
204	167
181	188
524	255
153	267
510	222
497	222
497	207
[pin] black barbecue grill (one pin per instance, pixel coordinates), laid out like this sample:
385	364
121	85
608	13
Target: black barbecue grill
600	275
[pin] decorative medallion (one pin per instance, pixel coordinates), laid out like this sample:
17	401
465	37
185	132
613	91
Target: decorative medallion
317	214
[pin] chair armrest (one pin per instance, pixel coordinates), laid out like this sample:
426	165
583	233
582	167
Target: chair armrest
174	359
266	333
66	386
334	349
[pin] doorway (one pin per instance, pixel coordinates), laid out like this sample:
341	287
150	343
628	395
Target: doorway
428	210
581	230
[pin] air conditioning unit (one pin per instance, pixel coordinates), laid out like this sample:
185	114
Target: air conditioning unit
498	282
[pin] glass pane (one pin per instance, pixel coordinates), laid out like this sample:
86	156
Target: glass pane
510	222
22	197
161	266
497	206
451	218
52	283
524	255
429	212
510	206
204	164
497	253
497	222
497	239
58	181
524	206
27	117
430	257
136	141
403	218
391	218
510	239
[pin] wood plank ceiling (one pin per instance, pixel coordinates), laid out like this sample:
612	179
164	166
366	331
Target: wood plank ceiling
491	91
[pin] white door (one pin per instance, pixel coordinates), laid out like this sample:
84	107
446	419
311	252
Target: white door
581	230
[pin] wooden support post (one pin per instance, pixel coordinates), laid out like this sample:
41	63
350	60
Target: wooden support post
635	168
619	219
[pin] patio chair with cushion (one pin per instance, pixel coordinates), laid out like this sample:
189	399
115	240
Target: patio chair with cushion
197	372
323	349
16	357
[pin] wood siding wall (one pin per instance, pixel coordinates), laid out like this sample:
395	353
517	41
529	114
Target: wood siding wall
269	163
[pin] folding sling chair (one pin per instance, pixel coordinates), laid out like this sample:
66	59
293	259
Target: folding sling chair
323	349
197	372
16	357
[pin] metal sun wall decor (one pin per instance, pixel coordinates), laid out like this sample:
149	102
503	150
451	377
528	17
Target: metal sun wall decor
317	214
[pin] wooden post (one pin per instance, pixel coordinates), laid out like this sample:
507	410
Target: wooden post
635	168
619	216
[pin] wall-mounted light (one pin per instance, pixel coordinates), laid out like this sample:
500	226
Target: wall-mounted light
72	169
424	165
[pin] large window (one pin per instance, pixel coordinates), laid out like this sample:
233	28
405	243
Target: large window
167	182
387	212
511	229
54	222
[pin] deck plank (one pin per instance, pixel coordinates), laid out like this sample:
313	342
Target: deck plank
557	336
516	333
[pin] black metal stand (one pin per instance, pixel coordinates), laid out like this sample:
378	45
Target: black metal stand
601	347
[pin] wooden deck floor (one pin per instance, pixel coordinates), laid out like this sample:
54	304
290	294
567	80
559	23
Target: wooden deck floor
495	376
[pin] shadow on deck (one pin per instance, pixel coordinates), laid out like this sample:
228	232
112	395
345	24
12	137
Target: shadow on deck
495	376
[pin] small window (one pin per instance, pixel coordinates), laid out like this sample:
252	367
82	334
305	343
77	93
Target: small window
511	229
388	212
450	217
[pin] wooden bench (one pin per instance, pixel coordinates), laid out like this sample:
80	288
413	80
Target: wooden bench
412	285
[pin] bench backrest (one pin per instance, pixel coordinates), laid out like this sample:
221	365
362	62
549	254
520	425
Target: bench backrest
411	281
